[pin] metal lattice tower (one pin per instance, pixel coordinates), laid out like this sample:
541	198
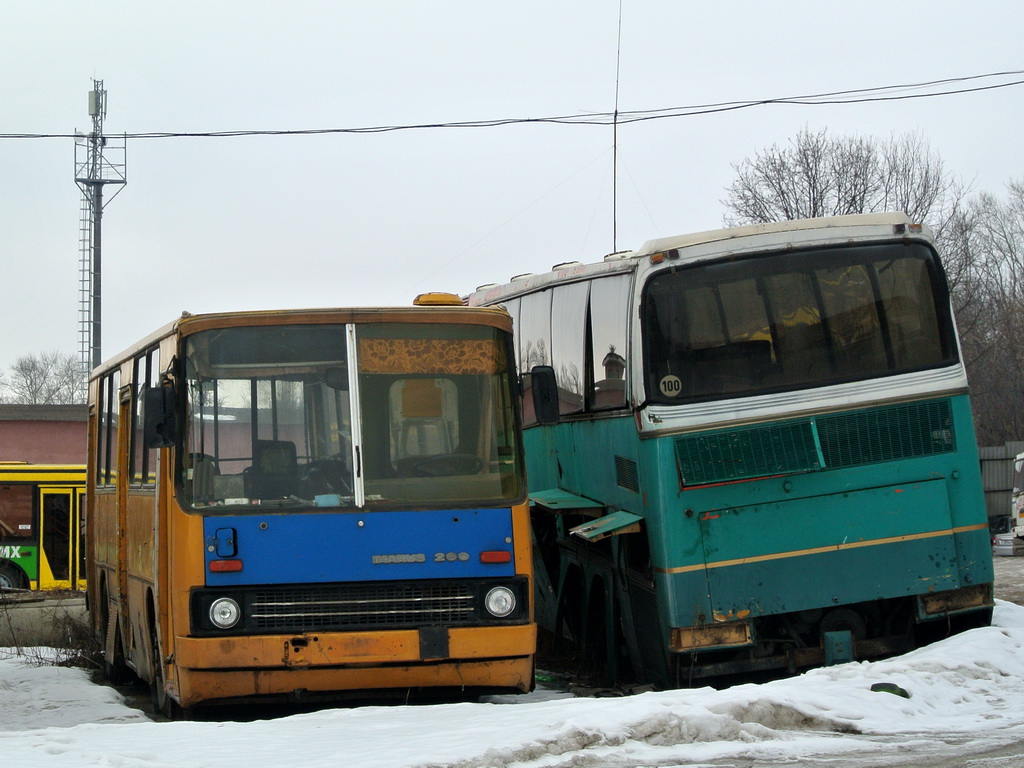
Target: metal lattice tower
99	160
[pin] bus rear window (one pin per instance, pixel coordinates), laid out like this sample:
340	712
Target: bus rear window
786	321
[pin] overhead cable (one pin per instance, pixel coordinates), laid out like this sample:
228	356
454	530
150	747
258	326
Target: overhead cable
854	96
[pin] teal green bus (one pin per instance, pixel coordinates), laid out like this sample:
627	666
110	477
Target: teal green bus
763	457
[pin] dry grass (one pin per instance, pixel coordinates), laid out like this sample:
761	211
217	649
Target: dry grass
71	641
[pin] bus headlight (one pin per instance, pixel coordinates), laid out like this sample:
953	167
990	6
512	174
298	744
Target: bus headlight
500	602
224	613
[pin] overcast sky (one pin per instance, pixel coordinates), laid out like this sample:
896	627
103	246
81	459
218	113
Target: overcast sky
351	219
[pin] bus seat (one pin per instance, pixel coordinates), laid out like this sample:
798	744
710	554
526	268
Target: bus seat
425	437
274	472
204	469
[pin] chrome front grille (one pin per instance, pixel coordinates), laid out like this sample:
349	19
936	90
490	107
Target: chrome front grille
362	606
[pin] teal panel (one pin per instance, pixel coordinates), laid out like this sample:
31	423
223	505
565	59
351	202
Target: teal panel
556	498
609	525
826	580
828	550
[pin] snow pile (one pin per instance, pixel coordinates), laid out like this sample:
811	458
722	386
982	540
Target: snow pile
34	694
965	690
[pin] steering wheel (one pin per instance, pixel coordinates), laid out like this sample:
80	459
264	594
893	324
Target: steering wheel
329	475
446	464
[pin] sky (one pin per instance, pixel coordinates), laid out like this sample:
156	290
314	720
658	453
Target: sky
964	695
356	219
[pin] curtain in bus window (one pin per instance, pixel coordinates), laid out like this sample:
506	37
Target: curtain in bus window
800	343
568	344
848	304
609	313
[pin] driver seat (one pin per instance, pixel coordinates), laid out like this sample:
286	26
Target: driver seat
274	473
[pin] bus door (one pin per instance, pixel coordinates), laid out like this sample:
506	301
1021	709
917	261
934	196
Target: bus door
61	546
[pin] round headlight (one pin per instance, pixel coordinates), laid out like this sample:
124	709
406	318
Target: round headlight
500	602
224	613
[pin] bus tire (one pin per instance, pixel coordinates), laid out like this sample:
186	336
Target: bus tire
11	576
115	669
163	703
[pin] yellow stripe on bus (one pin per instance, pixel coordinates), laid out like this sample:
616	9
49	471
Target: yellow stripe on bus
820	550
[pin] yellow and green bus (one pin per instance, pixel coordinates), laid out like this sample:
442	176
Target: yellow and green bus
41	526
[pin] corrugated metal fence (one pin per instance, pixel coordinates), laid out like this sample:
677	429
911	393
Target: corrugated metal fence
997	476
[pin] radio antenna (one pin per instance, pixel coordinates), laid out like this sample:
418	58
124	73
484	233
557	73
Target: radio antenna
615	140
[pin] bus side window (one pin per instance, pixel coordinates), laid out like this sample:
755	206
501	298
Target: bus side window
609	311
534	342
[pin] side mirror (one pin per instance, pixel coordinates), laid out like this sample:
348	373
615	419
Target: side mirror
159	425
545	394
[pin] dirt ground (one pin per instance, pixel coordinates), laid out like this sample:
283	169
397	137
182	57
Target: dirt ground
1009	579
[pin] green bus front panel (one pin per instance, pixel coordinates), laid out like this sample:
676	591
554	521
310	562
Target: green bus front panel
26	558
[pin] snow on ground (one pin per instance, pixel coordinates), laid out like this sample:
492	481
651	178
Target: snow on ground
966	690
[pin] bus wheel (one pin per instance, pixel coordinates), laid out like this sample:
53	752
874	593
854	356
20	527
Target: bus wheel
162	701
11	576
117	670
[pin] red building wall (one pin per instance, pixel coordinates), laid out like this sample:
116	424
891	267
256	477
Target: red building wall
43	434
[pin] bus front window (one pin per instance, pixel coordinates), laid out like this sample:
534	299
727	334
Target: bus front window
269	417
437	415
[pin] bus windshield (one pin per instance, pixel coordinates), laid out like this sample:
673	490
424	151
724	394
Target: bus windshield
293	417
792	320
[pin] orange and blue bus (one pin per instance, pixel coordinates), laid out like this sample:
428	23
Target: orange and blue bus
41	531
761	455
308	503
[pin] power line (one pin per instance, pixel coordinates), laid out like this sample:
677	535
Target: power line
855	96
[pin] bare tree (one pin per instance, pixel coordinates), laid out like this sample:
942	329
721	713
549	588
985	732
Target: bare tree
991	340
821	175
49	377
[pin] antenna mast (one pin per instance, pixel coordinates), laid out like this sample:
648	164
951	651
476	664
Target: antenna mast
98	161
615	141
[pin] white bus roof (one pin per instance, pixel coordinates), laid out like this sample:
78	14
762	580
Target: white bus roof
835	227
832	222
